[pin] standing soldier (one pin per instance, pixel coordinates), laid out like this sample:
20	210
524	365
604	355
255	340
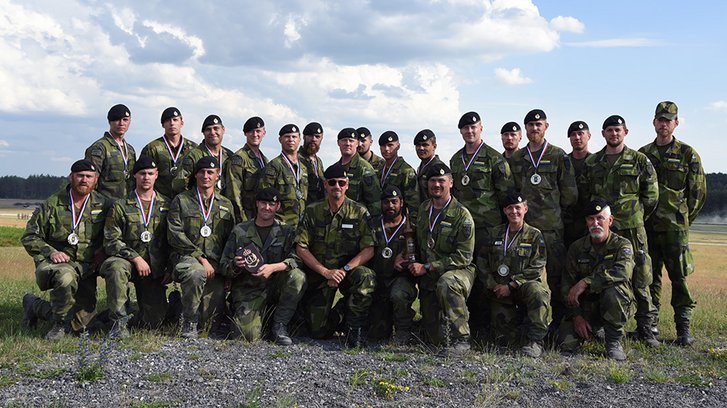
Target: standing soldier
513	269
511	135
258	257
244	171
574	225
445	265
425	145
289	177
626	179
64	238
597	284
362	184
364	148
308	153
167	151
398	173
682	191
113	156
199	222
335	243
543	173
135	239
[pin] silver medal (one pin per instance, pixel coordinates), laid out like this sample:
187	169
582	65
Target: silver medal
205	231
219	184
298	194
387	253
73	238
465	180
503	270
430	243
535	179
145	236
173	170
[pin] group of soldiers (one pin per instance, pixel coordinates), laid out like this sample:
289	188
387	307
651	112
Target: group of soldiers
523	245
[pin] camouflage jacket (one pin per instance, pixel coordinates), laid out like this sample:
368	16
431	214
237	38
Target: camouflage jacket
314	167
157	150
241	178
682	186
124	226
384	267
277	174
575	212
525	257
556	191
363	187
185	172
377	162
115	178
185	221
489	180
48	229
422	177
453	235
403	177
629	186
333	239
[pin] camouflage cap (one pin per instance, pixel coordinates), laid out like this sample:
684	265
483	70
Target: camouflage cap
211	120
313	128
170	112
144	162
388	136
576	126
512	197
423	136
363	133
595	207
253	123
206	162
117	112
613	120
438	169
666	110
469	118
83	165
510	127
270	194
289	128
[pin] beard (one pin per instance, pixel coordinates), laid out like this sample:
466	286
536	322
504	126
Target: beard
391	215
311	149
596	232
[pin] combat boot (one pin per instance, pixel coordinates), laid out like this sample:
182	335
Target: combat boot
189	329
356	338
532	349
30	319
684	335
647	336
402	337
57	332
120	329
280	333
459	346
615	351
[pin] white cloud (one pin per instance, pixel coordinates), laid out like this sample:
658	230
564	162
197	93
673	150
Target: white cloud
192	41
4	143
512	76
616	42
569	24
291	32
718	106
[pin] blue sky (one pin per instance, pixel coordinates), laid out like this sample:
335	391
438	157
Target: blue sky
388	65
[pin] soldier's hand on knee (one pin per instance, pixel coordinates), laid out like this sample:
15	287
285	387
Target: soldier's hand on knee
141	266
417	269
501	291
59	257
582	327
575	292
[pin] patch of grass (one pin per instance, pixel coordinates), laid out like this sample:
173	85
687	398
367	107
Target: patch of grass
386	388
154	404
10	236
359	377
253	399
159	377
434	382
656	376
561	385
391	356
279	354
206	374
694	380
48	374
7	380
469	376
353	351
135	356
618	374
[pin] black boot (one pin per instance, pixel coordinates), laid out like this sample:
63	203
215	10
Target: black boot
356	338
684	335
280	334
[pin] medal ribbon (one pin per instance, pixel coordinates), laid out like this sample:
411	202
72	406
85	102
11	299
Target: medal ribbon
206	213
124	153
145	218
385	173
464	150
76	219
542	153
383	229
508	245
296	174
219	159
175	157
424	166
436	219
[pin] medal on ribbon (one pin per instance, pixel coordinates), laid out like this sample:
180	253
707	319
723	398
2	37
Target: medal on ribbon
219	161
503	270
73	237
536	178
174	156
124	149
296	170
145	217
388	252
433	224
385	173
205	231
466	178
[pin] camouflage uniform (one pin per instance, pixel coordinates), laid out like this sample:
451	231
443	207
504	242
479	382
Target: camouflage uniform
574	224
525	258
507	159
314	168
403	177
122	243
251	296
607	301
72	284
363	187
630	186
682	192
444	289
334	239
375	161
277	174
422	178
185	220
115	180
157	150
241	177
185	171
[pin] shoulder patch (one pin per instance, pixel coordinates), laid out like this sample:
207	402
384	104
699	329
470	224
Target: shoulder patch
627	251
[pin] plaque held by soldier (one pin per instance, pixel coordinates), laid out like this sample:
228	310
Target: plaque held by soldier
410	253
252	257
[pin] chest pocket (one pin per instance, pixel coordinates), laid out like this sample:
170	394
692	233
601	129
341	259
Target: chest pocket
676	174
628	175
275	252
481	175
548	171
349	230
584	266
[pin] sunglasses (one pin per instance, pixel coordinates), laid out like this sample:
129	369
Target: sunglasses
333	182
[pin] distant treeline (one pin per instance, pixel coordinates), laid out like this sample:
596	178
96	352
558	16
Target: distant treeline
716	204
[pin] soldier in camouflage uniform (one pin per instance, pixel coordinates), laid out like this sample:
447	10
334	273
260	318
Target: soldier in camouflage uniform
363	187
574	225
512	267
682	192
626	179
135	239
398	173
168	150
364	148
543	173
276	283
425	145
308	153
334	243
445	265
243	172
395	287
113	156
64	238
511	135
597	284
289	176
199	222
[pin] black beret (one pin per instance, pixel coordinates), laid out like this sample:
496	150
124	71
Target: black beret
83	165
595	207
423	136
206	162
253	123
313	128
335	171
144	162
438	169
390	192
270	194
510	127
289	128
667	110
576	126
512	197
363	133
388	136
535	114
469	118
613	120
170	112
347	133
117	112
210	121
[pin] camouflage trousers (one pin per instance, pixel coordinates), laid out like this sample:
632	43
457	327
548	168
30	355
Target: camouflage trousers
443	304
203	299
671	250
253	300
643	276
72	288
357	289
556	251
151	294
529	304
392	306
610	309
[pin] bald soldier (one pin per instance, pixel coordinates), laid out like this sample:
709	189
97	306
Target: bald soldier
398	173
363	187
574	225
365	140
511	135
246	165
308	153
425	146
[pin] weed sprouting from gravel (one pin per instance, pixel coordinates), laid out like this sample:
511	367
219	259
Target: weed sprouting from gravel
386	388
618	374
253	399
91	365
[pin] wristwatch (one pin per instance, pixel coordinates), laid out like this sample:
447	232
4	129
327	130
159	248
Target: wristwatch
346	268
427	266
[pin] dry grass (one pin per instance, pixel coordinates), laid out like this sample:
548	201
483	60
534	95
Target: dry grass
10	217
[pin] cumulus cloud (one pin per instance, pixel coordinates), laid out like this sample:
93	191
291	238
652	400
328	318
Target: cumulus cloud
616	42
567	24
719	106
512	76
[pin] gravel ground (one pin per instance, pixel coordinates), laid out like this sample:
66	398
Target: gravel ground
205	372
